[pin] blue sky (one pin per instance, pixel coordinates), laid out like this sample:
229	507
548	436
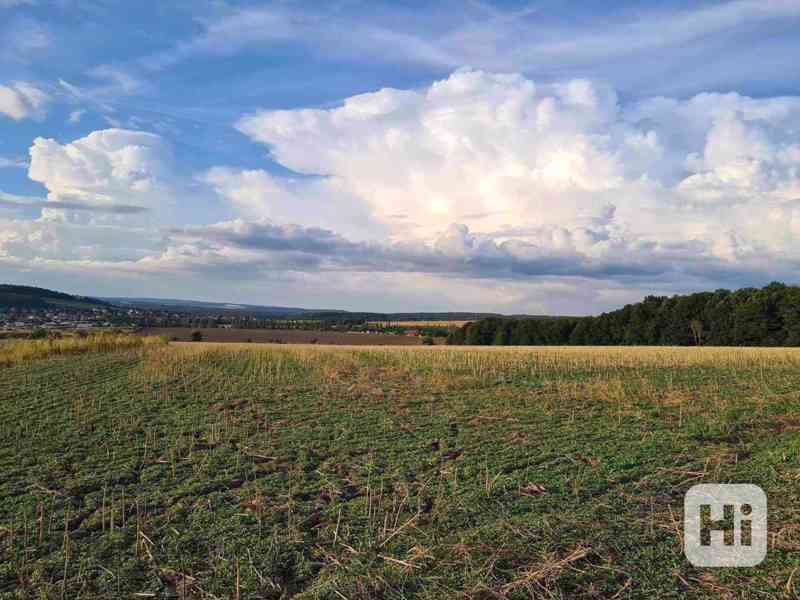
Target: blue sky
465	155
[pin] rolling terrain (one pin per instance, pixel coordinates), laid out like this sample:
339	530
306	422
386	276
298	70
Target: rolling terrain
22	296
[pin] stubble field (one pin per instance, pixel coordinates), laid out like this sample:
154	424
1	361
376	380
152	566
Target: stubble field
248	471
284	336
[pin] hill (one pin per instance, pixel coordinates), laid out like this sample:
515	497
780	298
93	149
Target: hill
228	308
197	306
28	297
768	316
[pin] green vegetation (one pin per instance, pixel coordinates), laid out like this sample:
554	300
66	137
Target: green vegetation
27	297
311	472
748	317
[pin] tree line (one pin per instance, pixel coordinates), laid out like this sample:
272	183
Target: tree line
769	316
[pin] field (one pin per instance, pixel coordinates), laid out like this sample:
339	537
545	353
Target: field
246	471
284	336
418	324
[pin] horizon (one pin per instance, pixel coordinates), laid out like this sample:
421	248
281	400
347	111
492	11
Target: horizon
243	304
247	153
313	309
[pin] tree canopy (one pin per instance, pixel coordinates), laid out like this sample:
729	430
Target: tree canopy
769	316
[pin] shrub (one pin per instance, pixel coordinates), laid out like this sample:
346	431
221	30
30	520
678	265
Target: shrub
197	336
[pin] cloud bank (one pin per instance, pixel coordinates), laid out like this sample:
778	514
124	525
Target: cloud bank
513	160
482	181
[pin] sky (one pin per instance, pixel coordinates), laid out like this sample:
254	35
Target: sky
546	157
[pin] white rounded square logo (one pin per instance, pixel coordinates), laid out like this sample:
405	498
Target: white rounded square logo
725	525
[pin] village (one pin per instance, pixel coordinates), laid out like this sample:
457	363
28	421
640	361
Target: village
15	319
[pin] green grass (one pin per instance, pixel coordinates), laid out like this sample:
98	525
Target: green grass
426	473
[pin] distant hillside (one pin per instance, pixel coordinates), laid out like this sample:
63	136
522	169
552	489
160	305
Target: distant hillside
23	296
748	317
29	297
195	306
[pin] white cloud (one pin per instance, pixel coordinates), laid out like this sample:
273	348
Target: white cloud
561	167
256	194
42	240
501	153
21	100
523	187
107	168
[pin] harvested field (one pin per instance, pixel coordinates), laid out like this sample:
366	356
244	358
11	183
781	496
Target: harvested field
284	336
422	324
207	471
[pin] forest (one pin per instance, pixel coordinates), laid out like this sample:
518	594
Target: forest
769	316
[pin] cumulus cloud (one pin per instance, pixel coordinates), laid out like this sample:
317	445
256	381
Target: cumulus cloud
456	251
21	100
34	243
503	155
256	194
474	147
485	177
109	169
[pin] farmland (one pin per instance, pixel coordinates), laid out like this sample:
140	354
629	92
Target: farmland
418	324
283	336
276	471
